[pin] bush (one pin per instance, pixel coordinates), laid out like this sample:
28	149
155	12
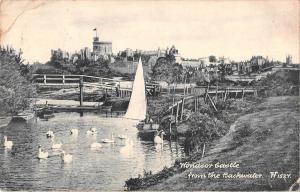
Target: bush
279	83
203	129
15	88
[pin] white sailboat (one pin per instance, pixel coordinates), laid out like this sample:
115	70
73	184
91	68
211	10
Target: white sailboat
137	107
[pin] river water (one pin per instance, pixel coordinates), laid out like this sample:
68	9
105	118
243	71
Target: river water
105	169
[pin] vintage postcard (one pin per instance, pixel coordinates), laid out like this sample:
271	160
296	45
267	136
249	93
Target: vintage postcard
150	95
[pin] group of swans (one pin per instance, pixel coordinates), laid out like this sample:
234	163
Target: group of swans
67	158
43	154
97	145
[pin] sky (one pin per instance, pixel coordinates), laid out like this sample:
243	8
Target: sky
232	28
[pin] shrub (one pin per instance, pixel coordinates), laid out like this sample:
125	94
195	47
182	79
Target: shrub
203	129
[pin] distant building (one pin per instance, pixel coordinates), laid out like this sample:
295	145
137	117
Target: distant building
289	60
57	54
208	61
85	53
258	60
196	63
101	48
129	52
224	60
204	61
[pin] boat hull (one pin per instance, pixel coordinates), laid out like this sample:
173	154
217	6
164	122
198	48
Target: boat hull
147	135
147	132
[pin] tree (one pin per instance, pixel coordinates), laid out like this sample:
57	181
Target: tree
162	70
167	70
15	87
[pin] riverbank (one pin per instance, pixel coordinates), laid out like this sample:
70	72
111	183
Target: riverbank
263	139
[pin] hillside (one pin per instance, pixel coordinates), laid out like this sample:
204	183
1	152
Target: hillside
264	141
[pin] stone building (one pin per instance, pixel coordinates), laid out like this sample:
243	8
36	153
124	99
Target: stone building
101	48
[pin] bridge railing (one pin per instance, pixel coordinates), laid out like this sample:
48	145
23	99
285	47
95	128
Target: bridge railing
70	79
106	83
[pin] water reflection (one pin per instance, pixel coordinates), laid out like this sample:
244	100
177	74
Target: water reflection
104	169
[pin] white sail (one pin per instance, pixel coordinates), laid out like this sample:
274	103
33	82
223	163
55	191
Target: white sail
138	104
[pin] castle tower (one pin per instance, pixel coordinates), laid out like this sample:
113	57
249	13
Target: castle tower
101	48
289	60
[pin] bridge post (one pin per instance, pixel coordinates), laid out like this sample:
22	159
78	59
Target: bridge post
195	103
243	94
63	79
81	90
172	112
177	112
45	79
182	109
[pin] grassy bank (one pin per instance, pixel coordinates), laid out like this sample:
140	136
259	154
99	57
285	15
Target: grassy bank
262	140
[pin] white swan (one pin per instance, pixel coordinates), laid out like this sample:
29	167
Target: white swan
159	139
128	148
66	158
42	153
111	140
55	145
96	145
50	134
92	131
7	144
74	131
122	136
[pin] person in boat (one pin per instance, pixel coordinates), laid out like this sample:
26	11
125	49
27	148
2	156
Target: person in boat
149	120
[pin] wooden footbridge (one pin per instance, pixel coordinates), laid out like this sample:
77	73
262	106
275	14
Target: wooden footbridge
115	87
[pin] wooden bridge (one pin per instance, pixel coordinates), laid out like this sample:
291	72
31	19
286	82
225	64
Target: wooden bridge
114	87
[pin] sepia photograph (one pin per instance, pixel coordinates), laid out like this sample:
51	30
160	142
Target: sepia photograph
149	95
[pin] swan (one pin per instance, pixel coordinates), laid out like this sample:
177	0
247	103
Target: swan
159	139
74	131
42	153
66	158
122	136
112	140
50	134
55	145
7	144
96	145
128	148
92	131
